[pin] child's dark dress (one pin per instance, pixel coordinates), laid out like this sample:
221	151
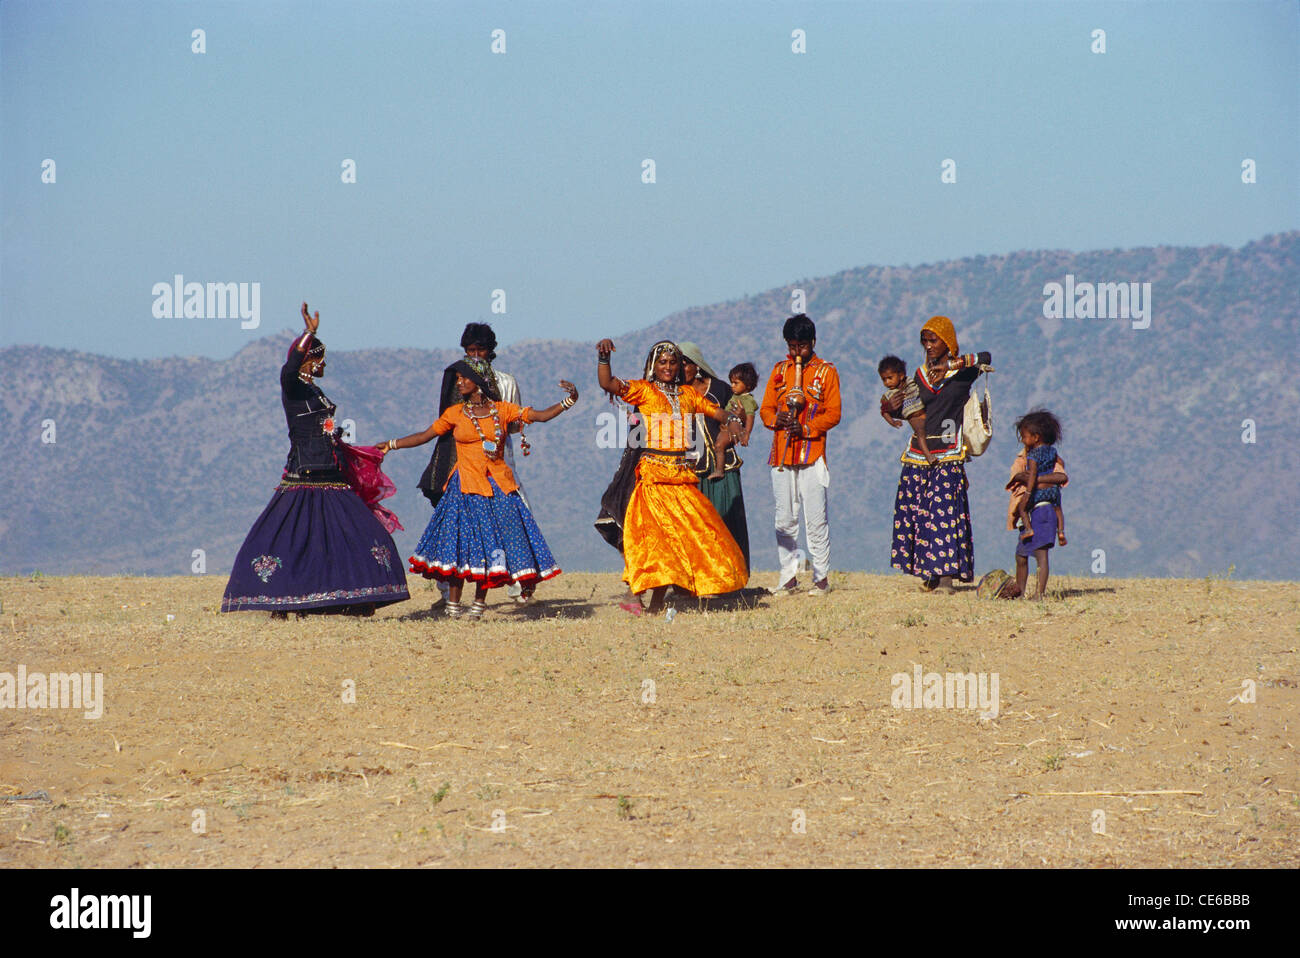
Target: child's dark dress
1042	514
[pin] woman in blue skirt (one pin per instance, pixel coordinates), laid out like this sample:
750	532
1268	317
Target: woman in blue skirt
481	530
932	527
317	546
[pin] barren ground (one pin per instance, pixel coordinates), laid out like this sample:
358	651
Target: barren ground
540	724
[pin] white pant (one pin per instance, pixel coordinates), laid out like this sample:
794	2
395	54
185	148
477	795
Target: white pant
802	489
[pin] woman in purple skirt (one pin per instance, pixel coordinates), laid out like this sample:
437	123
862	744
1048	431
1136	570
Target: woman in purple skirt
318	546
481	530
932	531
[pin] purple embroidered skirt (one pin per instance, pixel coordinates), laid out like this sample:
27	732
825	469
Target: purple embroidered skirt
932	534
315	546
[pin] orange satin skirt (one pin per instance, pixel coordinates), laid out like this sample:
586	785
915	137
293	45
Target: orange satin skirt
672	535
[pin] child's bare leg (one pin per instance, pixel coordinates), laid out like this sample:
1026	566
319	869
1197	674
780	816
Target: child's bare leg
1022	574
1060	526
720	448
1026	508
1040	556
1028	524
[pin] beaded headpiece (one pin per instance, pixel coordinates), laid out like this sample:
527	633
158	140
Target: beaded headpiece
314	346
657	350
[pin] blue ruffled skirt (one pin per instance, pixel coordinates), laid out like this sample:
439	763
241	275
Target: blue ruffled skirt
492	539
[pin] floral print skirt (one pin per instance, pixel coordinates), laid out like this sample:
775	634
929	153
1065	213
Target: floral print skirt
932	535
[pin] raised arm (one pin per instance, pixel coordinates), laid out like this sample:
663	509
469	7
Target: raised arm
293	362
604	374
550	412
970	363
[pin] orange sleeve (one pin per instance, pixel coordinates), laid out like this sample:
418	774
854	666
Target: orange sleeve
509	412
828	410
635	391
444	424
705	405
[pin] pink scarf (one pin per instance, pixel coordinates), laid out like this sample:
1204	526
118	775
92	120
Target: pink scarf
361	467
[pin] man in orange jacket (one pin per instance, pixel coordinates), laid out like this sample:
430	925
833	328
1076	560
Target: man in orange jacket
801	413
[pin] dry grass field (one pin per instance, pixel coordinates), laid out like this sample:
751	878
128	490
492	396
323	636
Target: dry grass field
1124	735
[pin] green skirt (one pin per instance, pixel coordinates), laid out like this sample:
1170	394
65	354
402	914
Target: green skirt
729	499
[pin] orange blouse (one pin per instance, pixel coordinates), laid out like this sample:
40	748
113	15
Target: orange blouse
668	416
472	461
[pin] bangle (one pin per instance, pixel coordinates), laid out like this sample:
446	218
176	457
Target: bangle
392	444
568	402
602	359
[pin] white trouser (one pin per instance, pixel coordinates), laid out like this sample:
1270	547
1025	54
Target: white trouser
802	489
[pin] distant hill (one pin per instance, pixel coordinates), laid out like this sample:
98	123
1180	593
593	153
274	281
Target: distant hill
154	459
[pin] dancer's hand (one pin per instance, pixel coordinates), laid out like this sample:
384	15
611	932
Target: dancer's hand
312	320
605	346
571	389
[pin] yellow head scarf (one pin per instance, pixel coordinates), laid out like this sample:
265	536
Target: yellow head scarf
941	326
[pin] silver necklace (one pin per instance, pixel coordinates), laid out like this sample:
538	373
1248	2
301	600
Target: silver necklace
491	446
672	393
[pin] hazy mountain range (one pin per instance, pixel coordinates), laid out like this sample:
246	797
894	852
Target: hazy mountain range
153	459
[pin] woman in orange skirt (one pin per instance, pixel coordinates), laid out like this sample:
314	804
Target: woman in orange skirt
672	534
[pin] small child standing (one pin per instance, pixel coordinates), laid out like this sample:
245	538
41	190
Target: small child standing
893	373
744	379
1038	503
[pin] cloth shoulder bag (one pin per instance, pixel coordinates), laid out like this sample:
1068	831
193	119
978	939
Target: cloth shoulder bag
977	418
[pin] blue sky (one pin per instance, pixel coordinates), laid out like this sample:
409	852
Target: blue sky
522	171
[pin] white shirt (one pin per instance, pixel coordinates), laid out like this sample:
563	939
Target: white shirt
509	390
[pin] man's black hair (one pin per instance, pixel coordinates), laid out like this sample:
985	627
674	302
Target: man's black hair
480	334
799	329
